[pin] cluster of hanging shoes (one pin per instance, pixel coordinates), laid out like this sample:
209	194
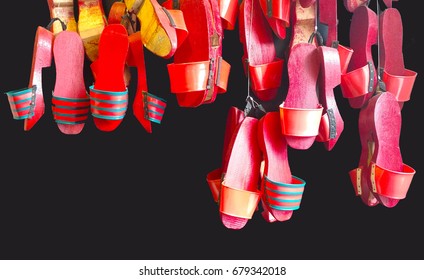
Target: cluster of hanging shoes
189	32
255	171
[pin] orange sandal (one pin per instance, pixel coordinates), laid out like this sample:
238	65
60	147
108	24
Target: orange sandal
239	196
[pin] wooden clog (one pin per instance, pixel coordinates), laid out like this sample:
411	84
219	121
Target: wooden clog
360	81
70	103
262	66
301	111
63	10
214	178
240	194
332	124
28	103
281	192
147	108
397	79
109	94
382	177
91	22
158	26
198	72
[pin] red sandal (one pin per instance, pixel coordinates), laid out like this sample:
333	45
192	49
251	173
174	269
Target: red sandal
263	68
109	94
28	103
199	73
381	177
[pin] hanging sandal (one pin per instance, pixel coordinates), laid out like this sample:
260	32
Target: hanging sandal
199	73
281	192
239	196
64	11
214	178
91	22
158	26
228	10
359	82
397	79
277	13
108	94
381	177
28	103
147	108
70	104
301	111
332	124
263	68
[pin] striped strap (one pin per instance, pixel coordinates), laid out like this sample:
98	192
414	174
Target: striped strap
70	110
284	196
109	105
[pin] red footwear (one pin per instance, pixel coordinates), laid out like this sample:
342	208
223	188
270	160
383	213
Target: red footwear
198	72
277	13
28	104
240	195
301	111
381	177
70	103
360	81
262	66
281	192
398	80
332	124
147	108
109	95
91	22
63	10
228	10
351	5
234	118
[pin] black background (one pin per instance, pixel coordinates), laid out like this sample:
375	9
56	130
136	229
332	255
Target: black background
128	194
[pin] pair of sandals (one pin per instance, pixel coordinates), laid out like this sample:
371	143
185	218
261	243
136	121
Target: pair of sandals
255	169
380	94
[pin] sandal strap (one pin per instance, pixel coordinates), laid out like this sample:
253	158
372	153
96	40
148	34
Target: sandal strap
358	82
22	102
390	183
300	121
266	76
327	126
176	17
155	107
238	203
195	76
400	86
355	176
110	105
284	196
228	10
70	110
278	9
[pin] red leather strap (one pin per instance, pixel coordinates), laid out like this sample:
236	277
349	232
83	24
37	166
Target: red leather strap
400	86
389	183
358	82
300	121
266	76
228	10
